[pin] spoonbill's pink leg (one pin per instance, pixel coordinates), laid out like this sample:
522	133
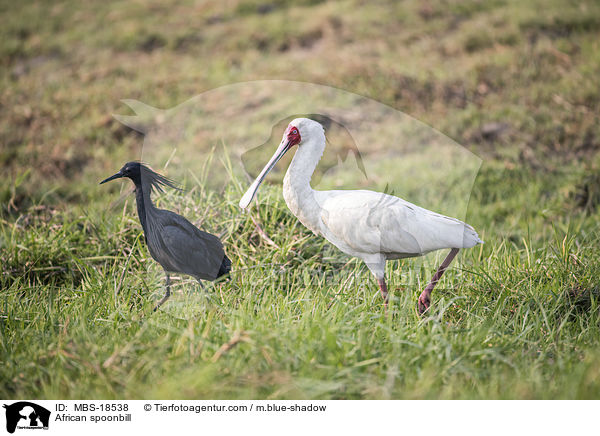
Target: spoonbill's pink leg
384	291
425	298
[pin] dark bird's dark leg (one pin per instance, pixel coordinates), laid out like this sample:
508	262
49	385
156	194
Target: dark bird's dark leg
167	293
424	300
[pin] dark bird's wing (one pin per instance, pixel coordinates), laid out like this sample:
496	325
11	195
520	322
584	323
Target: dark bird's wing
182	247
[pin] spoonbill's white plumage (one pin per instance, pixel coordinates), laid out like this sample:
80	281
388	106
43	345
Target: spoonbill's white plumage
372	226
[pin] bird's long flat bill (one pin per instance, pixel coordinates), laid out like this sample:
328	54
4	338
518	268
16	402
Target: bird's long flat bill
115	176
251	192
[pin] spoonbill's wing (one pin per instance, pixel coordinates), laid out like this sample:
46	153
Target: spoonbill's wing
372	222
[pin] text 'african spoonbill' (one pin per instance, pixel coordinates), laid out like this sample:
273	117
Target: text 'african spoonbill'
372	226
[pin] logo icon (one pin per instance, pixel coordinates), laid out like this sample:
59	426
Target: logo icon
26	415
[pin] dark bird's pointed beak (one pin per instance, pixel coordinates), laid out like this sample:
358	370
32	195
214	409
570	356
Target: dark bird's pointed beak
116	176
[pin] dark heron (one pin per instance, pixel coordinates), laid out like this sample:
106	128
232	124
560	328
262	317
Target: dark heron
175	243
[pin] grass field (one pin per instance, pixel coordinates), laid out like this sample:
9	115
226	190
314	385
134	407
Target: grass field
514	82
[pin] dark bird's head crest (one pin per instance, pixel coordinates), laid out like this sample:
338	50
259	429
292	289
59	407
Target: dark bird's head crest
142	175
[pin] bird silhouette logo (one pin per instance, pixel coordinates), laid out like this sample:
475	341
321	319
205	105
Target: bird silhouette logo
226	134
26	415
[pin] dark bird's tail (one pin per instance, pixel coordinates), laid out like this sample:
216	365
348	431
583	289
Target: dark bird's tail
225	267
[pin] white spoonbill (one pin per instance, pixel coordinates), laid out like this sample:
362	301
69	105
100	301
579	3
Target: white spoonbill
372	226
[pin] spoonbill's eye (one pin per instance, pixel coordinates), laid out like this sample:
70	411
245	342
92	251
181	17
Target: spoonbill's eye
294	132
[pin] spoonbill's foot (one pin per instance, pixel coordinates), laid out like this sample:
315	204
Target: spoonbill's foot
424	300
423	304
384	294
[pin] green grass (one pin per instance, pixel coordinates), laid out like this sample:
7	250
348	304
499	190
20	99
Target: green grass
514	82
520	318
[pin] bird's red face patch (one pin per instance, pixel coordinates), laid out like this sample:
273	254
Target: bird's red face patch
293	135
